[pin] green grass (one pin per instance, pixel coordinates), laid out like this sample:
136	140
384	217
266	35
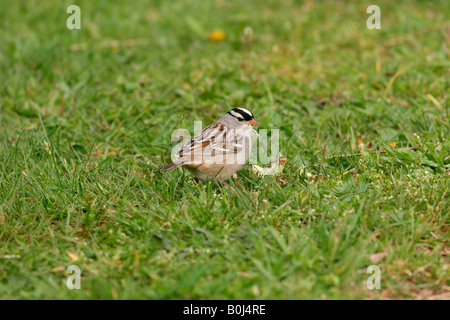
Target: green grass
83	128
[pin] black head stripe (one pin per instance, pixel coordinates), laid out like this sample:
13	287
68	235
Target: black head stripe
246	115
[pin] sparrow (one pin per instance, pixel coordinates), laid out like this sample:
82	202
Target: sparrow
219	150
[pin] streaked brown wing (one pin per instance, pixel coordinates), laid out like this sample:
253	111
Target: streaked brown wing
215	138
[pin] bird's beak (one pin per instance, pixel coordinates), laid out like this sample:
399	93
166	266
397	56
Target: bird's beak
252	123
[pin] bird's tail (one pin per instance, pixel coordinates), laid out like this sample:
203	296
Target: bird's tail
168	167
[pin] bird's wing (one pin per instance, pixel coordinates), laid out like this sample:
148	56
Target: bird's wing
215	139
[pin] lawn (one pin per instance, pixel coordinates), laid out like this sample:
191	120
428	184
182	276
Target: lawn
86	117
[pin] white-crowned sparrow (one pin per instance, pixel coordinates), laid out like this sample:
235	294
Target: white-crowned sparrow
220	150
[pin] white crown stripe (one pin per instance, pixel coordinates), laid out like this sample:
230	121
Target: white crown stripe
246	111
236	115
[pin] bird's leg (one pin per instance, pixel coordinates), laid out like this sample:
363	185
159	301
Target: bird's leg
235	177
226	185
